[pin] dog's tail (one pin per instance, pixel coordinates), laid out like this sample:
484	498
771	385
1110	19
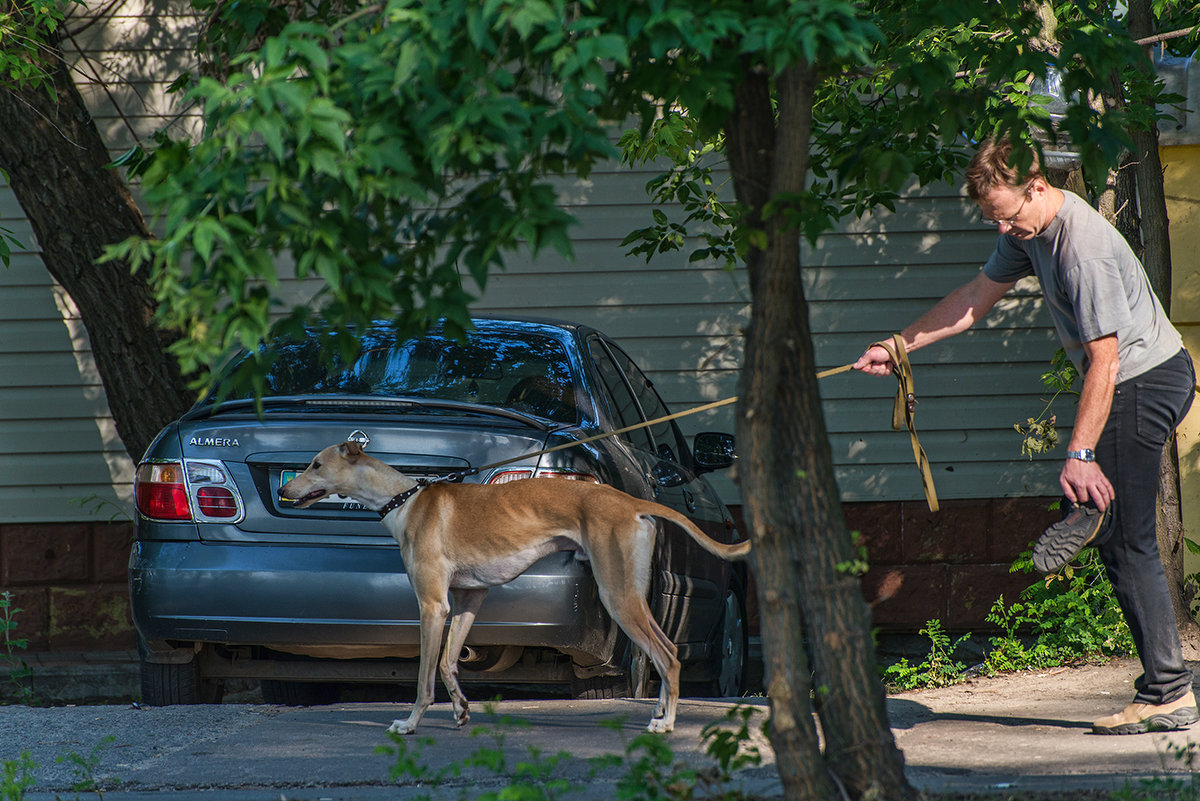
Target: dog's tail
734	553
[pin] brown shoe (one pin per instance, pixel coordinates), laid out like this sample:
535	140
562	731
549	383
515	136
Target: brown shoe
1138	718
1063	541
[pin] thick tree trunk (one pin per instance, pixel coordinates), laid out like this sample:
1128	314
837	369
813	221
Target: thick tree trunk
1154	230
57	166
813	614
763	473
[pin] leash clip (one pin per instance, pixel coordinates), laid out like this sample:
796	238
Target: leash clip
911	402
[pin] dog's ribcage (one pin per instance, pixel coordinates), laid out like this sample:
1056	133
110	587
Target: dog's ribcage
507	566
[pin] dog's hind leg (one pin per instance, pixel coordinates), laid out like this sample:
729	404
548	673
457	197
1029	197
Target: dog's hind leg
465	605
623	579
434	610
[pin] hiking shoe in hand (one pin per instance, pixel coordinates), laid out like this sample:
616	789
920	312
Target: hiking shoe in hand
1063	541
1138	718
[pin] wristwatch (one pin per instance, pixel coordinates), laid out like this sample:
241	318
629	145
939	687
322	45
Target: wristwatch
1083	455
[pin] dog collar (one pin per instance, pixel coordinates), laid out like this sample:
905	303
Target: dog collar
399	500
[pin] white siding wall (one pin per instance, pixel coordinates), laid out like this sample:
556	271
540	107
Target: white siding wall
681	322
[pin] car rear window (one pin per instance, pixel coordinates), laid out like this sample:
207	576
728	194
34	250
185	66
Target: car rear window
521	371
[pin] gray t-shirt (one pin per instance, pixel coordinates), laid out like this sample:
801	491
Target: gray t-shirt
1093	285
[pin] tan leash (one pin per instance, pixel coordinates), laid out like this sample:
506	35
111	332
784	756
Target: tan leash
903	412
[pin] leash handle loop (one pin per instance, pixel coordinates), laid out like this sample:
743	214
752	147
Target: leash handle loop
904	411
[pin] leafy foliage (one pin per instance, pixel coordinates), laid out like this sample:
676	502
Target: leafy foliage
1039	434
18	670
28	37
1069	615
938	669
395	156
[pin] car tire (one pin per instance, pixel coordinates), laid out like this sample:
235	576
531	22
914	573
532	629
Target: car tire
299	693
638	680
176	684
600	688
728	663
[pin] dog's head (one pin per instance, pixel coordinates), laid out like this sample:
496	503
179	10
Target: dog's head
329	474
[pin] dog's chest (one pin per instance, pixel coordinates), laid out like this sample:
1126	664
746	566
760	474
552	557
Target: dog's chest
475	571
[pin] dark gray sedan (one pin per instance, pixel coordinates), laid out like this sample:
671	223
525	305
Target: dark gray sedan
229	582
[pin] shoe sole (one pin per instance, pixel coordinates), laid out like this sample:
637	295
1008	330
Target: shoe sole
1179	719
1060	544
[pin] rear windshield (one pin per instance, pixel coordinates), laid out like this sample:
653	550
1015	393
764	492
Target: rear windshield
520	371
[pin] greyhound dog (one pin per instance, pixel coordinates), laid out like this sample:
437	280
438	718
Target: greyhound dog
459	540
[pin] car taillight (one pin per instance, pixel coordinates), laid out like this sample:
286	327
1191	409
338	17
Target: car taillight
160	491
542	472
216	502
214	495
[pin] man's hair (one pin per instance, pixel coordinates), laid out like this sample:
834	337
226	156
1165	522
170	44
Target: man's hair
991	167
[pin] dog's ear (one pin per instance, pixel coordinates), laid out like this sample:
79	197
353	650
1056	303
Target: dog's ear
350	450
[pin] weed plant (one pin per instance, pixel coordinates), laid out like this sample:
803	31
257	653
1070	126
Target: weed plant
15	671
938	669
1068	616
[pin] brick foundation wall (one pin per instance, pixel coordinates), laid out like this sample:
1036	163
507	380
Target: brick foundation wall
951	565
70	579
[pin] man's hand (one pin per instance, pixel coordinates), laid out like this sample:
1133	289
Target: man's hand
875	361
1085	481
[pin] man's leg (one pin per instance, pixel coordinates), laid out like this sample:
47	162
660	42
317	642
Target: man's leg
1145	411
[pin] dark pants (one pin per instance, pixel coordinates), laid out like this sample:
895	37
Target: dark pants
1145	411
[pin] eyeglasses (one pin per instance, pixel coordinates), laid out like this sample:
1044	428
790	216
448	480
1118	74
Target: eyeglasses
1010	221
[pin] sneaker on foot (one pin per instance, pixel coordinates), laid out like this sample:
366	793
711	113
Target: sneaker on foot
1138	718
1063	541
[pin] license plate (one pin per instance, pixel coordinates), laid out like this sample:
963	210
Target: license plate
340	501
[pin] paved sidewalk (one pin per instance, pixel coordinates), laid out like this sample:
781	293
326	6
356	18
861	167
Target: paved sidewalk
1022	732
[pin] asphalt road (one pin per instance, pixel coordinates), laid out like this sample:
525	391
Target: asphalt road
1024	731
232	752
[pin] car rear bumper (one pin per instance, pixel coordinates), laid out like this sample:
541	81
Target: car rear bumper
329	596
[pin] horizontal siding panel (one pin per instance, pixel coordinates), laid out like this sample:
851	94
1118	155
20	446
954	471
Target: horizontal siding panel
28	303
28	407
66	503
28	370
65	436
984	480
34	336
25	270
61	469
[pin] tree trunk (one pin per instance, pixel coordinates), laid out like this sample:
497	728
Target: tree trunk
58	168
764	466
1154	229
812	612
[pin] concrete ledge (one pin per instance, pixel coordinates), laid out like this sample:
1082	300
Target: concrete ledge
59	678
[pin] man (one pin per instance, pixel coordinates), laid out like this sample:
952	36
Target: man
1137	385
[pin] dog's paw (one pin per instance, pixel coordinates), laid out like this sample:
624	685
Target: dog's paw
660	726
401	727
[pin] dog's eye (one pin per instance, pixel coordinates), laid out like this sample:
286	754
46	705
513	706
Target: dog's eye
315	465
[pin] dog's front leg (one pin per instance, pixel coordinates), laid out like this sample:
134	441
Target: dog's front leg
465	606
433	624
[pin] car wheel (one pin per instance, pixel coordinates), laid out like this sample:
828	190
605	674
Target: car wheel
729	650
600	688
639	680
171	684
299	693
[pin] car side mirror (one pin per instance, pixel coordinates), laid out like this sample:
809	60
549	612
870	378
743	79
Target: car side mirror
712	450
